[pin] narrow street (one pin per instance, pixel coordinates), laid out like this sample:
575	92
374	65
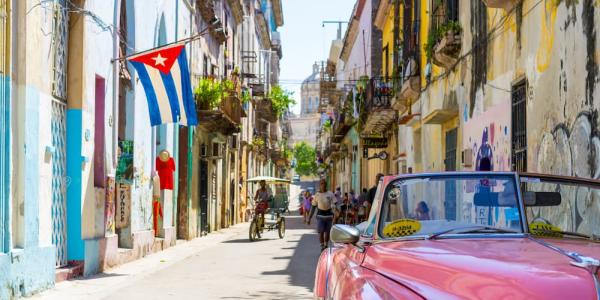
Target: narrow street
223	265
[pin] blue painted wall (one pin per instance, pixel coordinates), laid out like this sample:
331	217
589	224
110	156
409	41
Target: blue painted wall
75	244
4	162
26	271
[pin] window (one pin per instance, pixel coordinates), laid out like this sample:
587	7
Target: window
386	62
476	200
99	135
519	126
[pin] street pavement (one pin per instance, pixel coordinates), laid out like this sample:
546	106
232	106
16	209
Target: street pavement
222	265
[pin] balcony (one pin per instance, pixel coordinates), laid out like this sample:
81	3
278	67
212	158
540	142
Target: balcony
447	49
276	43
441	110
274	132
507	5
343	120
226	118
410	89
208	13
377	114
264	110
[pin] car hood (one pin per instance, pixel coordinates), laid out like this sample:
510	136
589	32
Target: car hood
484	268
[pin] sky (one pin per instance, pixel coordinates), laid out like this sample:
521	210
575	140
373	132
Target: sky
305	40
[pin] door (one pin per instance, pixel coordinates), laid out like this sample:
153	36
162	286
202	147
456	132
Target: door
450	186
59	132
59	175
203	219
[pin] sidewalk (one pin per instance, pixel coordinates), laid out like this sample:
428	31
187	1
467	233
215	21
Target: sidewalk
101	285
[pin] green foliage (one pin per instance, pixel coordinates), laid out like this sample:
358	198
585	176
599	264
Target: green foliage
306	159
438	33
281	100
327	125
258	142
210	91
246	96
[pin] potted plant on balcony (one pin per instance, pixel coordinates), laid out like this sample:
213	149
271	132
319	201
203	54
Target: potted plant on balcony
209	93
281	100
443	44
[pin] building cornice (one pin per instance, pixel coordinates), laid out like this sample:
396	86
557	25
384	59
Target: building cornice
352	31
382	11
263	29
237	10
278	12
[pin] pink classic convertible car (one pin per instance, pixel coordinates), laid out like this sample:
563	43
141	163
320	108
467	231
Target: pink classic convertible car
469	236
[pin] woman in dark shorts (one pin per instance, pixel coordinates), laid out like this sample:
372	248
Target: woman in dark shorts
324	208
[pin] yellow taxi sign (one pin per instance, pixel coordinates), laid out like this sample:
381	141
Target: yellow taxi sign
544	229
402	227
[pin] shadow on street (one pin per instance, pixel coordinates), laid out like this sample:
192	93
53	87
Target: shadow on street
303	262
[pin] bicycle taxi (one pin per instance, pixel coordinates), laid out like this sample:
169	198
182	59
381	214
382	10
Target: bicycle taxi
269	218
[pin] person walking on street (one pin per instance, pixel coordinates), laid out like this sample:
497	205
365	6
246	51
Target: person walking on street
307	206
324	208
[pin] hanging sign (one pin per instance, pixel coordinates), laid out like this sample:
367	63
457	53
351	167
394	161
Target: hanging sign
123	205
375	142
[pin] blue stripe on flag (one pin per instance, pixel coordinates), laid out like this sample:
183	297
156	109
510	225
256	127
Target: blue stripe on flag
171	94
186	90
155	118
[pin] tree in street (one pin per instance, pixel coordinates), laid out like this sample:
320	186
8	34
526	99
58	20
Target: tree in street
306	159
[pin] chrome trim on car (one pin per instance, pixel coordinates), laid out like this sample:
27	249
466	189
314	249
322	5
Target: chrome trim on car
592	265
329	249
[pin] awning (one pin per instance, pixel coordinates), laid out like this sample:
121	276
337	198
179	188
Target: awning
268	179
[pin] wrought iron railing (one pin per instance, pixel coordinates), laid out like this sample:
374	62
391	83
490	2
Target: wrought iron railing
380	92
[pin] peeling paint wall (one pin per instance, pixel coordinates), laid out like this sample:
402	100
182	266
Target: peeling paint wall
551	44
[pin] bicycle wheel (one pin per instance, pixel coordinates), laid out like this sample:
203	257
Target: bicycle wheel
281	227
253	231
261	227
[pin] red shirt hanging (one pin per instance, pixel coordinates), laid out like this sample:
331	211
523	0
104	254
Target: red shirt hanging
165	172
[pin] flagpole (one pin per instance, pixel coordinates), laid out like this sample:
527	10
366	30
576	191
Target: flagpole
185	40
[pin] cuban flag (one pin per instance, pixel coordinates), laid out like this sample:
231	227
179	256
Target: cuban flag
165	76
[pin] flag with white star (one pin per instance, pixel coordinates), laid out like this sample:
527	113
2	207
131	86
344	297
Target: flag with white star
165	76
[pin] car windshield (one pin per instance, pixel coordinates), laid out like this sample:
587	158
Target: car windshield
568	206
426	206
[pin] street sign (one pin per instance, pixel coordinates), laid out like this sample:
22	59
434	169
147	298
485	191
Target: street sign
375	142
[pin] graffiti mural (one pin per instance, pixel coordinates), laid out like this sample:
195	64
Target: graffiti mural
488	136
109	209
573	150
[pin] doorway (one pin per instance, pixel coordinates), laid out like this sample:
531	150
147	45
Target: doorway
203	218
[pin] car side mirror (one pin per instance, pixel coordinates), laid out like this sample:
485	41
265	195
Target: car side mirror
344	234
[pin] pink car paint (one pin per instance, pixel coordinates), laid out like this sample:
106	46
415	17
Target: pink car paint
480	267
466	268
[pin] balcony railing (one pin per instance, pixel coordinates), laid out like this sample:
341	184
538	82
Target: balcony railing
377	112
380	92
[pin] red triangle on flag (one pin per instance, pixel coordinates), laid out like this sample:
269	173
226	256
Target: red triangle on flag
161	59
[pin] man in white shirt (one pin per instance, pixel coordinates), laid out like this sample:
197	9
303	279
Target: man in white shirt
325	207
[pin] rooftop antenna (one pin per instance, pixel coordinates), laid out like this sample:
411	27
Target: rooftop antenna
339	31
